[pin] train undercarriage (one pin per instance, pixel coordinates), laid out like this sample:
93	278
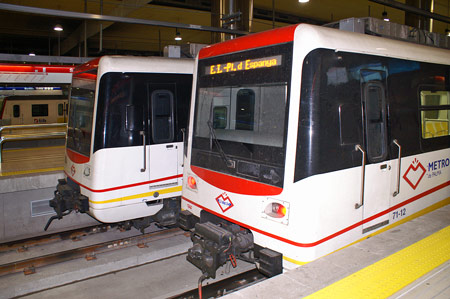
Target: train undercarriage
217	241
68	199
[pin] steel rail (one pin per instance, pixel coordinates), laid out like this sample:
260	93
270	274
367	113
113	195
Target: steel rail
96	17
74	234
28	266
225	286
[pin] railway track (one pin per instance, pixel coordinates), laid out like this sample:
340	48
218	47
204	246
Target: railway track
109	261
223	287
75	234
90	252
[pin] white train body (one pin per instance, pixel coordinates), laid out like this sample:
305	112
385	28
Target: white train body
125	136
34	94
34	109
318	138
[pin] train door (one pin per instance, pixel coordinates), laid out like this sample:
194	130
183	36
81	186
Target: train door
377	169
163	149
62	112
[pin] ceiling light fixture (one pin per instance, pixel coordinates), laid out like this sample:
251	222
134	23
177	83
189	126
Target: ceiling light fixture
385	16
58	28
178	36
303	1
31	54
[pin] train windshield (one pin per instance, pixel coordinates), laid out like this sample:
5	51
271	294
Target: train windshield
81	109
240	114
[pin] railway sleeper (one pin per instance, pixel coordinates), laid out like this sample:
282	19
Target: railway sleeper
217	241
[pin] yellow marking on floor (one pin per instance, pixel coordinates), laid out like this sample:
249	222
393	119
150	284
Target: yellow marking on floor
163	191
31	171
391	274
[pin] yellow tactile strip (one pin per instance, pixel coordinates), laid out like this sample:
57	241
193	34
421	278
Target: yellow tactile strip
389	275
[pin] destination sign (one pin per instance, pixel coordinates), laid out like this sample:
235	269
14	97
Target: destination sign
244	65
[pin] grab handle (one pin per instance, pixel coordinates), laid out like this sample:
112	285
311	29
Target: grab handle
363	174
145	156
397	191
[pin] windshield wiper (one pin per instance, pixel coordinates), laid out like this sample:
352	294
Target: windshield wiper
230	163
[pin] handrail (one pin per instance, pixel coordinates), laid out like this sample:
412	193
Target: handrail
33	136
31	126
397	191
363	174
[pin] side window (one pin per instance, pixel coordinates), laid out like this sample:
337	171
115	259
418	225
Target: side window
39	110
434	113
375	121
220	119
245	109
60	109
162	104
16	110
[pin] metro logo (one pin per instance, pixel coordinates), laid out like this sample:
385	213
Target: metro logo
224	202
414	174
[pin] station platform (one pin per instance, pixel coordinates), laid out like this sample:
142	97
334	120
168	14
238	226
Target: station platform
411	260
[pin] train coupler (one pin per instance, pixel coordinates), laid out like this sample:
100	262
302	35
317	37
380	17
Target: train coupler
214	245
66	200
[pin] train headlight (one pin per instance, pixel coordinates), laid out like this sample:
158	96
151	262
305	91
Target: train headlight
192	182
275	210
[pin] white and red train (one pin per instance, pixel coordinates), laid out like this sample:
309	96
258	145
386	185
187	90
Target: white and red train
33	93
124	146
305	139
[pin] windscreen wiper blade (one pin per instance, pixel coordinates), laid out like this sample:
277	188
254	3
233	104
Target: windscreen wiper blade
230	163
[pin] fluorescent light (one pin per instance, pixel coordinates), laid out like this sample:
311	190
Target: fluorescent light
58	28
303	1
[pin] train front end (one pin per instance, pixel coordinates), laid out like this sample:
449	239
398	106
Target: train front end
124	142
235	164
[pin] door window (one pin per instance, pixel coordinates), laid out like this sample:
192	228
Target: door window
375	121
162	116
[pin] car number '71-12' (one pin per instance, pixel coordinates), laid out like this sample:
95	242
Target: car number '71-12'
399	213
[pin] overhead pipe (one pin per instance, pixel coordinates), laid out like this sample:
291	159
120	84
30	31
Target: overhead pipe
412	9
104	18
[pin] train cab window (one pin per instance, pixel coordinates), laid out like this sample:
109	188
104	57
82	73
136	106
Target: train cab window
375	121
16	110
220	118
39	110
162	104
435	113
245	109
60	109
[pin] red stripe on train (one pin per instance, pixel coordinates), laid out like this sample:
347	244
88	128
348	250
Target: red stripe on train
76	157
256	40
406	202
235	184
125	186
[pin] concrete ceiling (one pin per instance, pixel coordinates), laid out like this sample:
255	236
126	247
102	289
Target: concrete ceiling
22	33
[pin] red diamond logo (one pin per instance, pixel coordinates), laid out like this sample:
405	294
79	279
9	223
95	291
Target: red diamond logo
224	202
414	174
72	170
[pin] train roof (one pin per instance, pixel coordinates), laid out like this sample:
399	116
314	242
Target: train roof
312	37
137	64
